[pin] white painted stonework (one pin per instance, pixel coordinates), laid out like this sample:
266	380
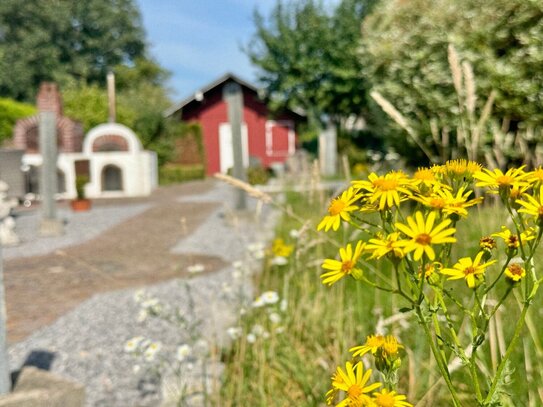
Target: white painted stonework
138	168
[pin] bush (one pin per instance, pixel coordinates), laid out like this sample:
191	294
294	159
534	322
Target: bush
175	173
10	112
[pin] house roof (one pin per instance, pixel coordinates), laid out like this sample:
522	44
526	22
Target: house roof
196	96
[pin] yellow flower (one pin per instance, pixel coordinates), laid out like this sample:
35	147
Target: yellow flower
423	235
470	270
339	209
535	177
373	343
280	248
459	170
444	201
496	180
389	190
487	243
390	347
381	247
353	382
512	240
532	206
515	272
425	178
346	266
386	398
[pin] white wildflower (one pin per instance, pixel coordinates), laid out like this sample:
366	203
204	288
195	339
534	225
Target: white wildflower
283	305
275	318
238	264
257	329
279	261
196	268
139	295
237	274
234	332
259	302
251	338
270	297
132	345
279	330
294	233
142	315
183	352
152	350
265	334
136	369
255	247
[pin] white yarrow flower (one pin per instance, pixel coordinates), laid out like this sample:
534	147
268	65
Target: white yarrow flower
251	338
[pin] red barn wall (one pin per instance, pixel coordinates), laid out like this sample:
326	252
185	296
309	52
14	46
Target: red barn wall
212	111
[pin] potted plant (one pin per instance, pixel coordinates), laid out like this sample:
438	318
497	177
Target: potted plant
81	203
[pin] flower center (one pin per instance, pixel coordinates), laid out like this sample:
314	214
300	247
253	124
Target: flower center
540	211
385	400
424	239
515	269
512	241
469	270
504	180
354	391
438	203
336	207
386	184
347	266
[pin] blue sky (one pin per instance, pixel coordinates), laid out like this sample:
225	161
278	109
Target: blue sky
199	40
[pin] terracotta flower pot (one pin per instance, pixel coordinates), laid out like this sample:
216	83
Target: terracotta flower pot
80	205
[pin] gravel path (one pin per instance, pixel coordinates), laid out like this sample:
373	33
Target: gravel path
87	344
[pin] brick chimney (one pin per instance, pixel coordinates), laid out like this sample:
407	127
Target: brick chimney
49	99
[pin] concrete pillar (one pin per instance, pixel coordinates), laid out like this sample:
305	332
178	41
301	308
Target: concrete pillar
233	96
50	225
328	151
5	382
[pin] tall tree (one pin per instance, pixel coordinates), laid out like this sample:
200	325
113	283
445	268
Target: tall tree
307	57
62	39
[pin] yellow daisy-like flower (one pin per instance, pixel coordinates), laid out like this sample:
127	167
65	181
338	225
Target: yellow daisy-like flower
386	398
390	347
470	270
381	247
373	343
339	209
535	177
425	178
512	240
423	234
496	180
532	206
449	203
460	170
280	248
389	190
515	272
353	382
347	265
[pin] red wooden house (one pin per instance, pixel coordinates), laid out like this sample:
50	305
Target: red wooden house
265	138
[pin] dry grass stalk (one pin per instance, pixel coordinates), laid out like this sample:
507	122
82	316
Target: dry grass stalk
471	96
252	191
456	70
389	109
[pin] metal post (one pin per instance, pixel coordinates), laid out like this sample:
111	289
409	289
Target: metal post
50	226
233	96
5	382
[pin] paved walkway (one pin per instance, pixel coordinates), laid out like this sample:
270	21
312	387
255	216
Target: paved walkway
134	252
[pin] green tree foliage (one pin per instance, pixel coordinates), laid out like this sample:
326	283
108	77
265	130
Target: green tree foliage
10	111
404	51
60	40
307	57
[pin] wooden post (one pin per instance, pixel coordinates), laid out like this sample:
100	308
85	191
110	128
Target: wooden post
50	226
111	97
328	151
232	94
5	381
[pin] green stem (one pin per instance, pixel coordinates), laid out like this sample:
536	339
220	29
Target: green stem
508	353
437	355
